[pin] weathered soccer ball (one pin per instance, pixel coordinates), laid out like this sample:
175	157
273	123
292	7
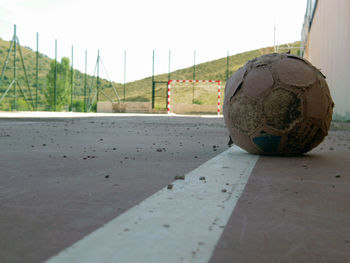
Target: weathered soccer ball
277	104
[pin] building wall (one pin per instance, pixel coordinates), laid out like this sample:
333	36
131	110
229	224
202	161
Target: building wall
328	47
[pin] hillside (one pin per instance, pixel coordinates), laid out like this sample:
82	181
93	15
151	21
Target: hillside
139	90
29	59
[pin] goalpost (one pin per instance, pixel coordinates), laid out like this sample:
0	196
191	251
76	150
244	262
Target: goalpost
217	82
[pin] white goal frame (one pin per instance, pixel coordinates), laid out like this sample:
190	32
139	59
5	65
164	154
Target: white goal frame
193	81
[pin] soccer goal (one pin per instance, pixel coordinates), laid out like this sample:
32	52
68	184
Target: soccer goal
204	99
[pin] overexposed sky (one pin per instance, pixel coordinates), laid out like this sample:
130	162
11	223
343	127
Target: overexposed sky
112	26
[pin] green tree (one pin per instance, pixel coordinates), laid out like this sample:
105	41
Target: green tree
62	84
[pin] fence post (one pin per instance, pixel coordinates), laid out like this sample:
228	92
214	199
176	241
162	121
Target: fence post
71	83
227	64
55	77
98	77
37	71
153	86
14	68
194	74
85	81
124	73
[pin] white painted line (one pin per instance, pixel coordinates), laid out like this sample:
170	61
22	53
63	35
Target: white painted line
178	225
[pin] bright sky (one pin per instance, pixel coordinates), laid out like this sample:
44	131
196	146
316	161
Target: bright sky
212	28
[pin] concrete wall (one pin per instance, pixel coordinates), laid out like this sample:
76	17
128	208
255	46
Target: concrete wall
181	108
104	107
131	107
328	48
146	107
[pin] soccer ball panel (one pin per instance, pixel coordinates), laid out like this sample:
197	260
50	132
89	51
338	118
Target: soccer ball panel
294	72
267	142
243	141
234	83
257	81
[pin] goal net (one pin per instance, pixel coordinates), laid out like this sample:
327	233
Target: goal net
194	96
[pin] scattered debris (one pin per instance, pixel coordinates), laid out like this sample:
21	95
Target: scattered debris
202	178
159	150
170	186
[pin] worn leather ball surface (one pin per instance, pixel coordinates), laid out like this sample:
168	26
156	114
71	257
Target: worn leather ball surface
277	104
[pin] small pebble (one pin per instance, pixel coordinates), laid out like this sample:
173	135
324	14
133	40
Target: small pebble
170	186
338	175
179	177
202	178
224	190
107	176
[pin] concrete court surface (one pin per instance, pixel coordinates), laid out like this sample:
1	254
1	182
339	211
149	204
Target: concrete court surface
62	178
